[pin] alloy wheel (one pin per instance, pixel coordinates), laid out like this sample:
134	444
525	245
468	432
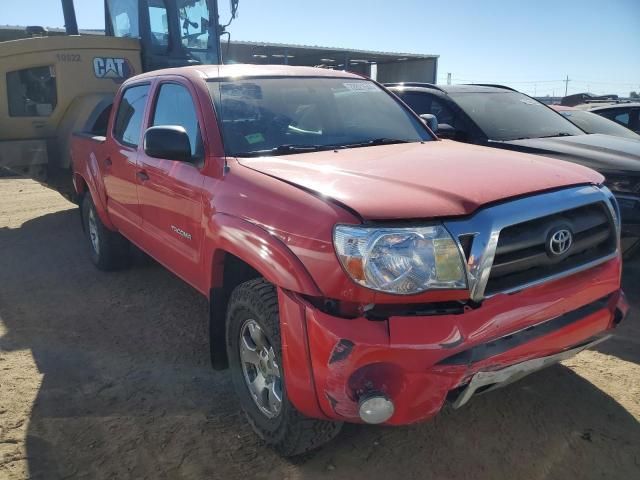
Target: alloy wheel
260	368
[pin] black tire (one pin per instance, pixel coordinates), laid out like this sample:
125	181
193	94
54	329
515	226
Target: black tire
290	433
111	250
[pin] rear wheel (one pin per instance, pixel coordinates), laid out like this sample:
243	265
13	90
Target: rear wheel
255	360
108	250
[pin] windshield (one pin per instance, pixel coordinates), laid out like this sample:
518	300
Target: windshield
292	114
592	123
512	115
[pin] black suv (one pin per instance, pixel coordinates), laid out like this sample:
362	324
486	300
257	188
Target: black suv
501	117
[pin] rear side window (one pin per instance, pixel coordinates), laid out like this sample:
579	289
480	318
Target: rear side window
618	116
175	107
592	123
128	121
32	92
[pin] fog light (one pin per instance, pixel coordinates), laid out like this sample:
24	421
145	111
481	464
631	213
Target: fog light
375	408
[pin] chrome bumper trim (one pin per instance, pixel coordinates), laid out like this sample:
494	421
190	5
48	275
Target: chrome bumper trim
501	378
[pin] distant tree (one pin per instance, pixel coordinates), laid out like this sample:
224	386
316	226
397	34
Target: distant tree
634	95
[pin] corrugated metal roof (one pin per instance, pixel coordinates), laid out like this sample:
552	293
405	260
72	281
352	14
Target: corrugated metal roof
413	56
270	45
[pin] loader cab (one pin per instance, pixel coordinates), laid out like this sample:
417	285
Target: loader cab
54	86
172	33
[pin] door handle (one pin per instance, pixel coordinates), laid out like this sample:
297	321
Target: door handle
142	175
108	162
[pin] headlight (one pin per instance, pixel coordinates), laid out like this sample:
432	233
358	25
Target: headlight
400	260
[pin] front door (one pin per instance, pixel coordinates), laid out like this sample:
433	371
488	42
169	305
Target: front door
120	167
170	191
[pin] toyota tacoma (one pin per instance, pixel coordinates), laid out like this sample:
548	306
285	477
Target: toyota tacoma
358	269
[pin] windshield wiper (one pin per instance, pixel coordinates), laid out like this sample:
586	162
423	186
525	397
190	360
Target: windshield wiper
373	142
559	134
291	148
286	149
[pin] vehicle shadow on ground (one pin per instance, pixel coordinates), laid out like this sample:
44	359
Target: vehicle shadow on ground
127	391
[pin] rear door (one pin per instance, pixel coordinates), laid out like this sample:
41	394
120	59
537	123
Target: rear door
170	191
120	166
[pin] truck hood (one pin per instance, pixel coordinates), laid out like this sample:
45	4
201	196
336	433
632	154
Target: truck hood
419	181
604	153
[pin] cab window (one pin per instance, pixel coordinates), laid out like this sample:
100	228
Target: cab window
124	18
32	92
174	106
128	123
194	24
159	23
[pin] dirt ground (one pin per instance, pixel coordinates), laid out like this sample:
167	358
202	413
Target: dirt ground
106	375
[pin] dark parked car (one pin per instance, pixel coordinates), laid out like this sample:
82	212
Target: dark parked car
625	114
501	117
592	123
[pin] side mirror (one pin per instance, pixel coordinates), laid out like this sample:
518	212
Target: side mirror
446	131
431	121
169	142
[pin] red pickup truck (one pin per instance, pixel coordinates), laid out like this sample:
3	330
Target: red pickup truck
358	268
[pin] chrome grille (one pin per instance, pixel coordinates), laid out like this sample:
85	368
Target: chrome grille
503	243
523	254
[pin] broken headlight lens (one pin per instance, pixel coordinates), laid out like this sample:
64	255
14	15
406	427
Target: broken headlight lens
402	261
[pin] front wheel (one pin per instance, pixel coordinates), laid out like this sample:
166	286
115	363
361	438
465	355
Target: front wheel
255	360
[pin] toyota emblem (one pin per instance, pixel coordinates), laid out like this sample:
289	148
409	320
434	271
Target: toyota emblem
560	242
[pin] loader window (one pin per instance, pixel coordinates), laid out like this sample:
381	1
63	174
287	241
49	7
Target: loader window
158	23
194	24
32	92
128	121
124	18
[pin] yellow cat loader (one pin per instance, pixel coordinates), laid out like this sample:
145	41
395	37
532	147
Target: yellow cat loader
52	86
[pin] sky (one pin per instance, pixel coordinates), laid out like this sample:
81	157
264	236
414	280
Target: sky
529	45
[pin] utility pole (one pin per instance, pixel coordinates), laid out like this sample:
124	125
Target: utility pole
566	85
448	78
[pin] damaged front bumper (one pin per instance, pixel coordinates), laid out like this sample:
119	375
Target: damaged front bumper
418	362
483	382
